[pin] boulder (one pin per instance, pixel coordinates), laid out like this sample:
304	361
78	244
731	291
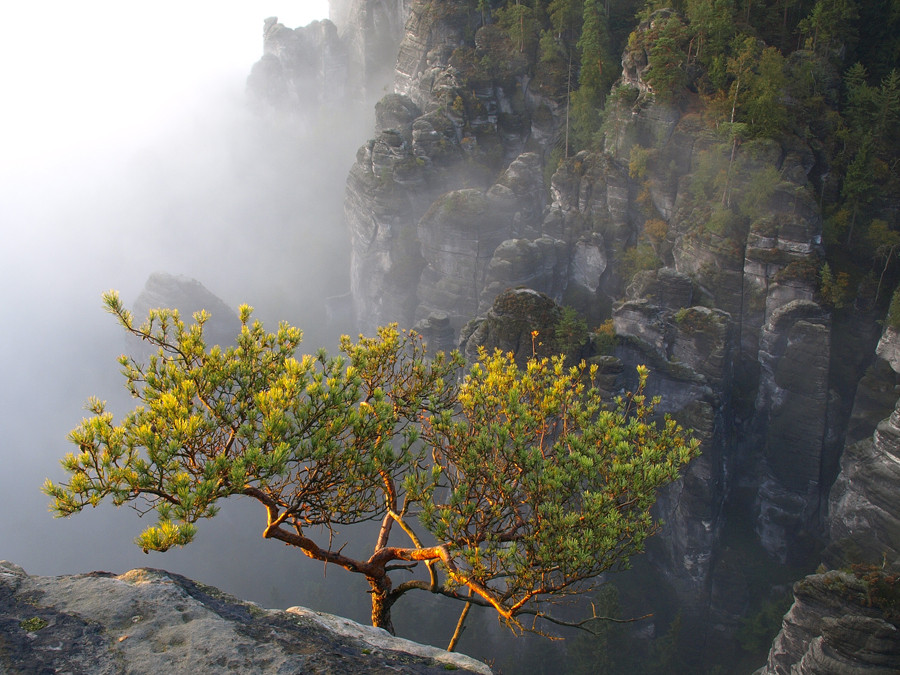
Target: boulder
540	265
521	321
665	287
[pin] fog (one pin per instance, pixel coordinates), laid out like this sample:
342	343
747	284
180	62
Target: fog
126	148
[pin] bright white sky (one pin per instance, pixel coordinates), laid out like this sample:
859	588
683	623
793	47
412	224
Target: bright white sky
77	75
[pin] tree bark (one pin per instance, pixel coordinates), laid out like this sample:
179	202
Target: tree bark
382	601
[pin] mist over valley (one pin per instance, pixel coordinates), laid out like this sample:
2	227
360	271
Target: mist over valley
708	189
206	188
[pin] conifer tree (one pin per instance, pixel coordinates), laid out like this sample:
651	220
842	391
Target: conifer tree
667	58
509	490
829	25
597	71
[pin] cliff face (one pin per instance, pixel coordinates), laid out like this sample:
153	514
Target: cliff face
148	621
705	254
843	622
371	31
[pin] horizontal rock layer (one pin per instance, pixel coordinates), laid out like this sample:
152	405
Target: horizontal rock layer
864	511
838	625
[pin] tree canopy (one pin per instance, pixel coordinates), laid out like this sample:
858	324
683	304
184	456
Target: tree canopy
511	487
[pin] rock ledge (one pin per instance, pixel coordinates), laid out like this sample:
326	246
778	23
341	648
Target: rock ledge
149	620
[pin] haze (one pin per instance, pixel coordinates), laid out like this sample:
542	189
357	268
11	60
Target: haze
125	148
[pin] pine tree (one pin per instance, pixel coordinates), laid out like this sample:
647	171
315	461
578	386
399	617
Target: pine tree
510	489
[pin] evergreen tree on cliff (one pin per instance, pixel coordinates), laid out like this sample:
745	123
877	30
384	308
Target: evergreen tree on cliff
509	489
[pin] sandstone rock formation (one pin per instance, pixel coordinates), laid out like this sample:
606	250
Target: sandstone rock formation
521	321
151	621
706	254
864	512
839	624
163	290
331	63
793	397
371	31
308	64
449	177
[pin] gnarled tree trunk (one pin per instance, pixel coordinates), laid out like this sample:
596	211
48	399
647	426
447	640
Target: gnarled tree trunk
382	601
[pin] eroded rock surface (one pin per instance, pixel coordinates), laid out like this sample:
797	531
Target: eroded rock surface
706	254
864	512
793	401
838	625
152	621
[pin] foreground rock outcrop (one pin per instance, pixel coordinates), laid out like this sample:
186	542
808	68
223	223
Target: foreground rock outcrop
152	621
864	513
840	624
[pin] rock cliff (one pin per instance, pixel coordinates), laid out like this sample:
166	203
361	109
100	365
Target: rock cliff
469	219
308	64
449	206
151	621
864	513
840	624
331	63
371	31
